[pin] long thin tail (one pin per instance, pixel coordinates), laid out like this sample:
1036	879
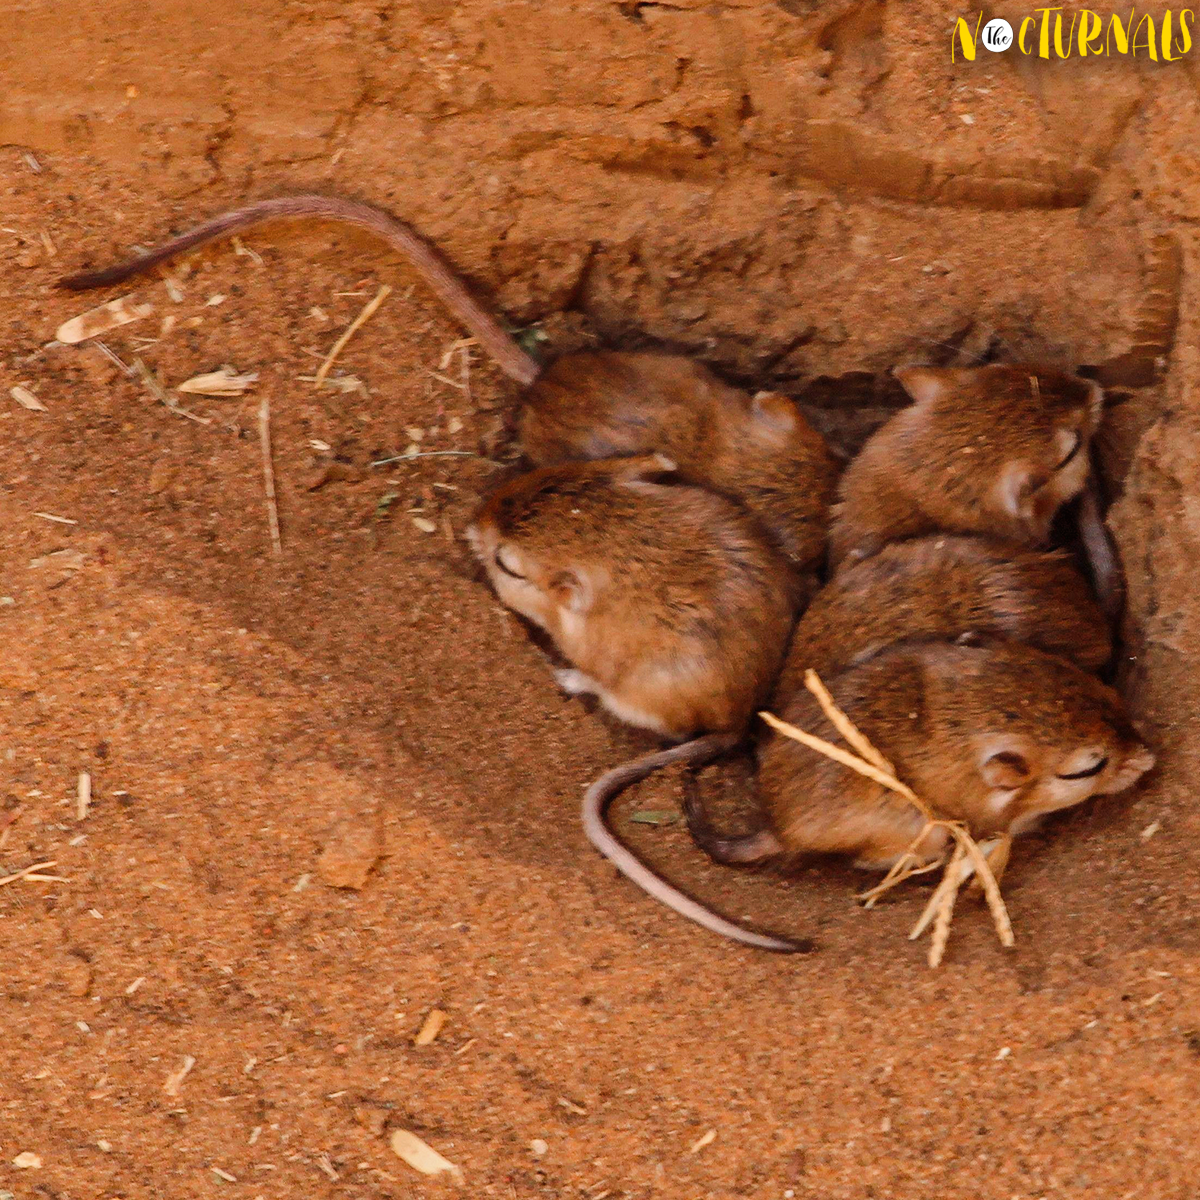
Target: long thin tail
494	338
601	793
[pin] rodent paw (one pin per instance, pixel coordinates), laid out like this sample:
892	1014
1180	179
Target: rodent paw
573	682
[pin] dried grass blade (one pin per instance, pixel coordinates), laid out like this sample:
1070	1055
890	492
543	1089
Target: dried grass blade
843	724
363	317
948	882
906	867
25	872
945	912
838	755
991	889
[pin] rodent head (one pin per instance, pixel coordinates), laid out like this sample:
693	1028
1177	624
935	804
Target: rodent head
667	598
532	536
1026	429
1042	734
767	456
1028	777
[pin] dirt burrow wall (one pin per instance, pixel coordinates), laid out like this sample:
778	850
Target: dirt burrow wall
797	187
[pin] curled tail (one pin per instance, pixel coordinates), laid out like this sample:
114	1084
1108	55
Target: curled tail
493	337
601	793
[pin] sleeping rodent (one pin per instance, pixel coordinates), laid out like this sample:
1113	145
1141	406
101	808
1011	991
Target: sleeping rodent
759	451
992	450
996	735
669	601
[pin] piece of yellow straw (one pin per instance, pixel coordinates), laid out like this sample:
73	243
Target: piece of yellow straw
870	763
363	317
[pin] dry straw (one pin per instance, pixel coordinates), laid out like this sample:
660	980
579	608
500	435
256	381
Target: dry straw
968	858
363	317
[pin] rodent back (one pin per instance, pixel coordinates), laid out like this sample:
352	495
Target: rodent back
940	588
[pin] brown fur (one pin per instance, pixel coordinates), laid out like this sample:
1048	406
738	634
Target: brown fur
981	450
941	588
668	599
983	734
757	450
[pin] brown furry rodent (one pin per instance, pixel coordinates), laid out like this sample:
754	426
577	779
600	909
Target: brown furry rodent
668	600
994	450
757	449
943	588
760	451
996	736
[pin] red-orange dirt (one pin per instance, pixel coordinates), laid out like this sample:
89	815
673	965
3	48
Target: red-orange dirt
790	190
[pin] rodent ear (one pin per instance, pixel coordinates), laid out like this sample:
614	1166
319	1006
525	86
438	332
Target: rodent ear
774	410
643	466
1005	768
572	590
924	384
1014	488
1067	443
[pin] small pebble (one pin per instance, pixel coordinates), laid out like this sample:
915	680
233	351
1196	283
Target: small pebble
355	845
430	1027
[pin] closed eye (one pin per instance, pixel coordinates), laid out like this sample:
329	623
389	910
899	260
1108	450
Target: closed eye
1073	451
506	569
1089	772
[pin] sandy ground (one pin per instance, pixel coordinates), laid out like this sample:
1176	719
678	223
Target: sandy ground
793	191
